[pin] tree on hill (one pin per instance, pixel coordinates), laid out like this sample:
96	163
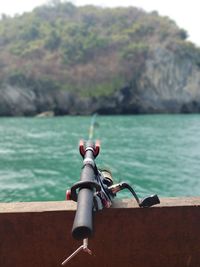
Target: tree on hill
88	50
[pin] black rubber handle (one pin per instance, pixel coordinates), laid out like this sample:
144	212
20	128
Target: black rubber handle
83	227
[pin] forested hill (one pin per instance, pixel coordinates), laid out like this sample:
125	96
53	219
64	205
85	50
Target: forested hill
79	60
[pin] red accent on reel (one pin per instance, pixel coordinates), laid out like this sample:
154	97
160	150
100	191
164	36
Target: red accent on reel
68	195
82	148
106	203
97	148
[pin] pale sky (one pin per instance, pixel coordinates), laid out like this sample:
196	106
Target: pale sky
185	13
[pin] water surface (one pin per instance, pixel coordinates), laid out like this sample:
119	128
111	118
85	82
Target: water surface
39	157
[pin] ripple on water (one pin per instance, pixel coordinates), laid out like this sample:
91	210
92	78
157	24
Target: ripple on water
39	159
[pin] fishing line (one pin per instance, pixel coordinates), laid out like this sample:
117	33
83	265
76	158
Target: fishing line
92	126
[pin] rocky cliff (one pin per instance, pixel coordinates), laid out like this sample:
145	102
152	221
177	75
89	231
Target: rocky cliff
169	83
86	60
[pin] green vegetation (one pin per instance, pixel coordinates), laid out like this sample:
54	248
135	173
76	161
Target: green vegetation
89	50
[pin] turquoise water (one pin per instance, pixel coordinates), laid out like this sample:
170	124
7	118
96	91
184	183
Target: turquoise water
39	157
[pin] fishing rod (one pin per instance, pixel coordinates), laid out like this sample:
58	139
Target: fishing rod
95	191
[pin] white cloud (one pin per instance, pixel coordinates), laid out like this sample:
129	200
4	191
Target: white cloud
13	7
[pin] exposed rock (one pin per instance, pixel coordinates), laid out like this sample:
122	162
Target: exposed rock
45	114
134	61
168	84
15	101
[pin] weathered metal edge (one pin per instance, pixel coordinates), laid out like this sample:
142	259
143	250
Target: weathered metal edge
17	207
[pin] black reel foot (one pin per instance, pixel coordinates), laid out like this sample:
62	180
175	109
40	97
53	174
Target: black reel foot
149	201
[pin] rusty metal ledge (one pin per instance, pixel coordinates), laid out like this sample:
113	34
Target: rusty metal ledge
38	234
71	205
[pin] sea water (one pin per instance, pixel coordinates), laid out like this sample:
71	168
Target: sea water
39	157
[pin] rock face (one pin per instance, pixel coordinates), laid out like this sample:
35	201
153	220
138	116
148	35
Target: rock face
128	62
168	83
20	101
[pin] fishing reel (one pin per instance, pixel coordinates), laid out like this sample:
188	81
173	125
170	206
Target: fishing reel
107	191
111	191
102	185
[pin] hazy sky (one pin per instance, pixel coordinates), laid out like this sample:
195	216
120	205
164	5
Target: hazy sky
186	13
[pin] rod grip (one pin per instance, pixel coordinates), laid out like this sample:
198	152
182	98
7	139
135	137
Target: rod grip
83	221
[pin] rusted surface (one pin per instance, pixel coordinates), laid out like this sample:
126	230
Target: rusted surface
38	234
